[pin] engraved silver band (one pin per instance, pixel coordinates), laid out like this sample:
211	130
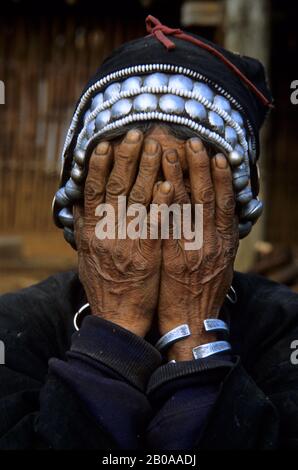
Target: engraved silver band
214	324
178	333
206	350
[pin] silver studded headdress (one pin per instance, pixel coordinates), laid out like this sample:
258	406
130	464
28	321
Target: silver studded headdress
165	92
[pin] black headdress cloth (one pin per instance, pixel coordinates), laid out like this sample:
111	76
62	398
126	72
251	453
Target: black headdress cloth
243	78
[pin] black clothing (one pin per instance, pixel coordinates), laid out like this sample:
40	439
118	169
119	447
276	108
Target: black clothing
106	388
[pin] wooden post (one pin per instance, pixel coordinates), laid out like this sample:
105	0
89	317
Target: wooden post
246	26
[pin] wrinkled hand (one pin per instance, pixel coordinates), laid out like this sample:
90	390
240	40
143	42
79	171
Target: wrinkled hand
121	276
194	282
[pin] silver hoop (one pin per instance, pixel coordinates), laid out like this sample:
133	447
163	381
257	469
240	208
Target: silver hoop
75	318
209	349
233	299
178	333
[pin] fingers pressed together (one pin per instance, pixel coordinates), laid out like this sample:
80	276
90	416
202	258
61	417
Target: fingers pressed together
131	169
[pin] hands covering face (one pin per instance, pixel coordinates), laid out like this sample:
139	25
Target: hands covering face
128	280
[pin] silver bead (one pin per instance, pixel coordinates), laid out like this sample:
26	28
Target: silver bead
112	91
131	83
180	82
240	181
236	116
252	210
69	236
145	102
121	108
244	196
66	217
77	173
222	103
239	149
156	80
102	119
216	122
196	110
72	190
204	90
244	228
171	104
61	198
230	135
97	101
79	156
235	158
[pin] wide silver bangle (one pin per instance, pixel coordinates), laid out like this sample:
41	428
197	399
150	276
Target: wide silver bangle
215	324
178	333
209	349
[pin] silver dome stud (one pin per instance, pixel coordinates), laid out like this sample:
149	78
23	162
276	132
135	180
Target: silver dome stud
102	119
203	90
72	190
252	210
230	135
66	217
79	156
216	122
240	181
171	104
77	173
121	108
236	116
131	83
222	103
180	82
145	102
239	149
235	158
112	91
244	196
61	198
156	80
97	101
196	110
244	228
69	236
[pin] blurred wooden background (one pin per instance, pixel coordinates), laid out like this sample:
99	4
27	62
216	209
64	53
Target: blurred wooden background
47	54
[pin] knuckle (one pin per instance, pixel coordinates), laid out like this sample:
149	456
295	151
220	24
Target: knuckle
138	196
92	192
228	205
115	186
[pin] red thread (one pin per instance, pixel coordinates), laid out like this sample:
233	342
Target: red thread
160	31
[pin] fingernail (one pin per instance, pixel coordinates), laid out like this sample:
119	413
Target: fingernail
165	187
171	156
150	146
133	136
196	144
221	161
102	148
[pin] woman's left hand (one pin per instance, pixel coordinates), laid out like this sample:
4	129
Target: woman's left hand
194	282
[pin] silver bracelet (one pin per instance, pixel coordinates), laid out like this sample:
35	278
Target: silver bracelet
206	350
214	324
178	333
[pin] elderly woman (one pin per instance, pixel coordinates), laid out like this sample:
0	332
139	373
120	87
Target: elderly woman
153	345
